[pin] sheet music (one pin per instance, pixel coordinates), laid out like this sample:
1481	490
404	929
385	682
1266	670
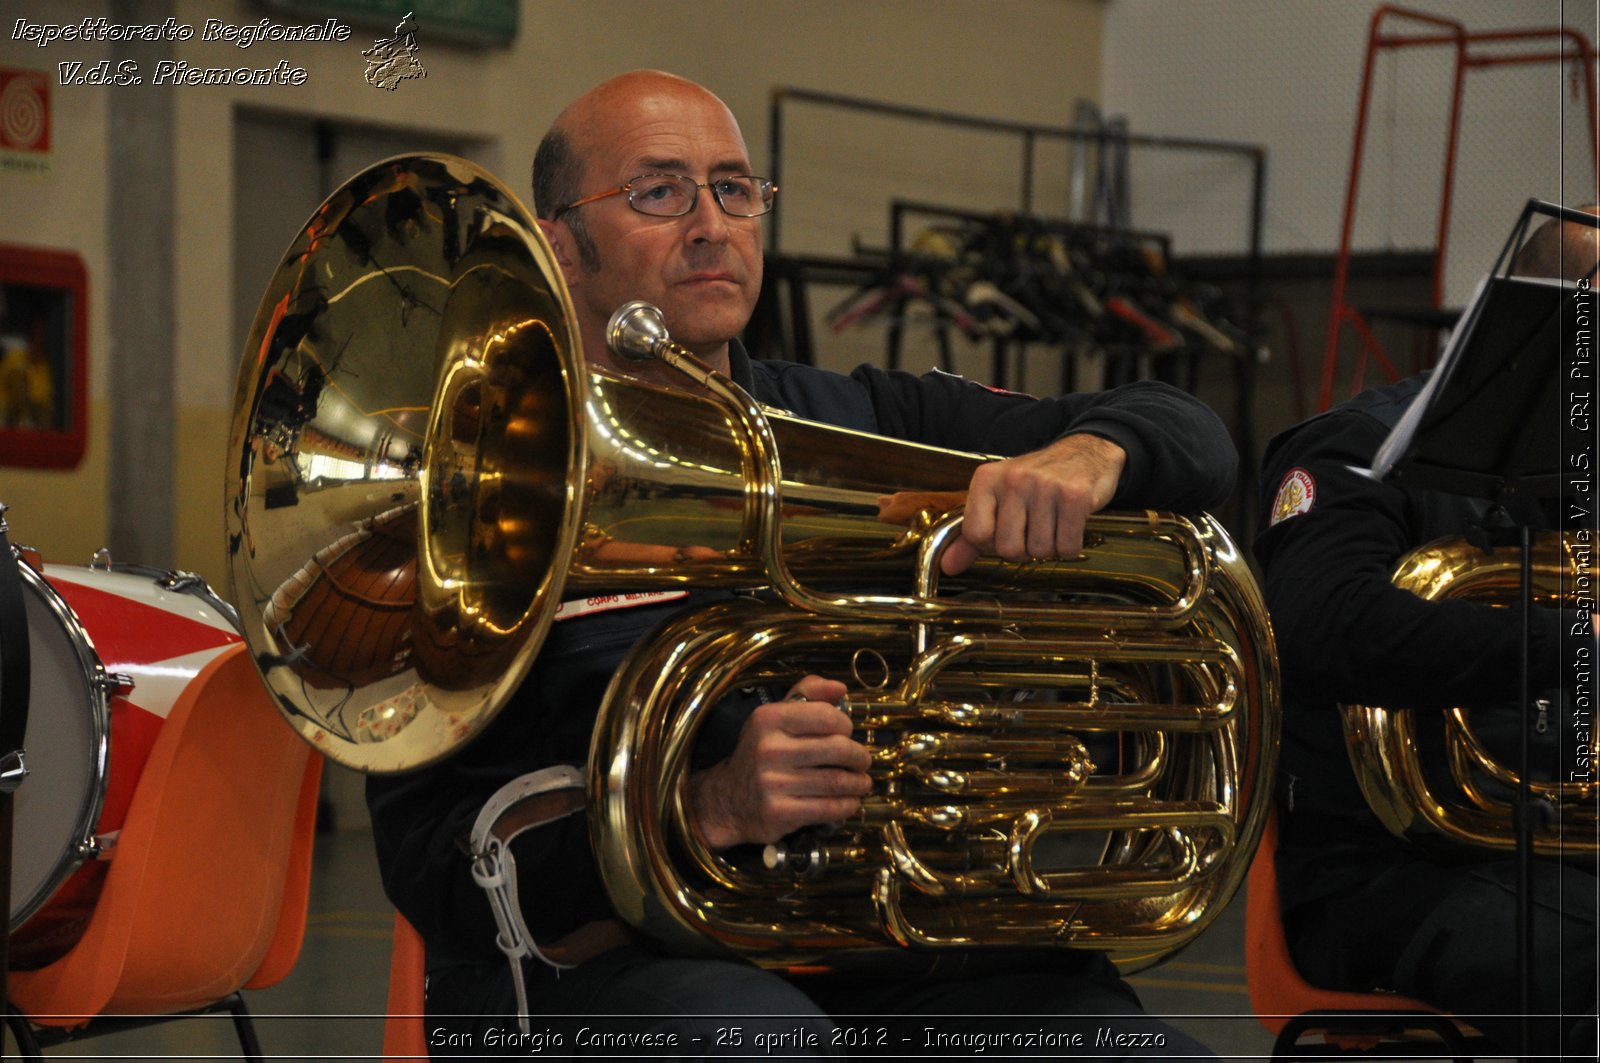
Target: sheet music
1485	422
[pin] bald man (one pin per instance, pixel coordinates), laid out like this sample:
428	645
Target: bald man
1363	910
1560	249
644	190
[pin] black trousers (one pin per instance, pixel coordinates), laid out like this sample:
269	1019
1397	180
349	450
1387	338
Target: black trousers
637	1002
1447	934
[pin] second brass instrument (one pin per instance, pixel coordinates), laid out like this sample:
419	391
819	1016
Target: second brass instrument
1469	805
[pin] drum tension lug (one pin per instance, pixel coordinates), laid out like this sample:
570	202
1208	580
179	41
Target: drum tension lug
182	582
118	684
100	846
13	769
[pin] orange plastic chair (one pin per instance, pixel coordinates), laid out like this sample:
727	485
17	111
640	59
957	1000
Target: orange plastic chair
208	885
1374	1024
404	1035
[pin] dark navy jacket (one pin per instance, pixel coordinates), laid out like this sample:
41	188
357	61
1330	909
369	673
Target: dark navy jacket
1331	538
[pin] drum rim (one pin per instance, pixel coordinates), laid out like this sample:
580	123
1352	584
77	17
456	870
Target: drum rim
82	845
172	580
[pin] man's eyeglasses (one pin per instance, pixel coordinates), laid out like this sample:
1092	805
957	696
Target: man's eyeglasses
671	195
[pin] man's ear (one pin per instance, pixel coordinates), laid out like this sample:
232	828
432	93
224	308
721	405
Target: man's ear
559	237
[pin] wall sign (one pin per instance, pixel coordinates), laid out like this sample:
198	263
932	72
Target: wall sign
467	21
24	121
43	357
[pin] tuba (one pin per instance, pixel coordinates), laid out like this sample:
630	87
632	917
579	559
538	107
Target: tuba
423	469
1471	804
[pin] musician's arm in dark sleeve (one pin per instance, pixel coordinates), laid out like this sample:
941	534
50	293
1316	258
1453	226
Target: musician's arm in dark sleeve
1344	630
1179	455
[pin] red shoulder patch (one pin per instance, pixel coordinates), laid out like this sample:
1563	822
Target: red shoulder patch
1296	494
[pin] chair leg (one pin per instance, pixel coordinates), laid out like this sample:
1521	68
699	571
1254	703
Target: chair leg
1389	1029
1287	1044
245	1028
27	1044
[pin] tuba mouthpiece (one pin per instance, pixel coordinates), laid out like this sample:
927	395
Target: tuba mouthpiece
637	332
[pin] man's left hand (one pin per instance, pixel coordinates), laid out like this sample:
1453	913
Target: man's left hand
1034	506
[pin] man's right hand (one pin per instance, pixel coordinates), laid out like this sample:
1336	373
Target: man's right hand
795	766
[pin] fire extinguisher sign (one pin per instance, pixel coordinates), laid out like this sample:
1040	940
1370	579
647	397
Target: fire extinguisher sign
24	121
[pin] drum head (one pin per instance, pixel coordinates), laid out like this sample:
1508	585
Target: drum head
57	804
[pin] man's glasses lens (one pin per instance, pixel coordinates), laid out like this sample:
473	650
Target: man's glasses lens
671	195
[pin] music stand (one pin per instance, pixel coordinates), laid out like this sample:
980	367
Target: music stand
1488	425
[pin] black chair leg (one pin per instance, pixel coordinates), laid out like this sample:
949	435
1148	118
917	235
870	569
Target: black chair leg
1390	1031
29	1041
27	1044
245	1028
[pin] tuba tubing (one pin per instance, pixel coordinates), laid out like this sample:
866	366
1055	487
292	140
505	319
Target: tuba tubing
1470	809
948	784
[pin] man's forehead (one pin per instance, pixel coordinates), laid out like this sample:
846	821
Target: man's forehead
674	129
656	163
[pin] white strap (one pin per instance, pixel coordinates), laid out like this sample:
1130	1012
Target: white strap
495	869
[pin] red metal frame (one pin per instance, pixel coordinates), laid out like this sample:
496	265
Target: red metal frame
1571	45
63	272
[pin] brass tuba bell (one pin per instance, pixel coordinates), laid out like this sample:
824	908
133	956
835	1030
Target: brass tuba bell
423	469
1471	804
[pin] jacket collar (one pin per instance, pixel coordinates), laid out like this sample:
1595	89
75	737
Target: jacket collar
739	365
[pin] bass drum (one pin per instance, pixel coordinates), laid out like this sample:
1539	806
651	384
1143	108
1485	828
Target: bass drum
111	649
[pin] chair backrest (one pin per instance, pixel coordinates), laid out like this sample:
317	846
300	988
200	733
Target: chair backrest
291	932
207	886
1277	991
404	1033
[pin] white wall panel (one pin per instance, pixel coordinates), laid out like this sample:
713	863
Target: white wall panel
1287	74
